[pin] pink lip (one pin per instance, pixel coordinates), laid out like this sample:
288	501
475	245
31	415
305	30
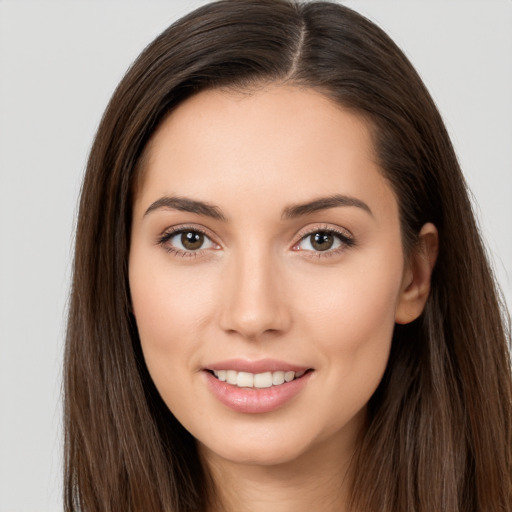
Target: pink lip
254	400
260	366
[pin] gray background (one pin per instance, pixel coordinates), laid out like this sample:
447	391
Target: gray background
59	63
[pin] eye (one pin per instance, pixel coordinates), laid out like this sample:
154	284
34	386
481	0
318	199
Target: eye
324	240
185	241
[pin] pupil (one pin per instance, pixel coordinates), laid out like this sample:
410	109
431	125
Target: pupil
192	240
322	241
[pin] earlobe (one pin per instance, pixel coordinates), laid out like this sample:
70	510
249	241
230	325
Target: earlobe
417	276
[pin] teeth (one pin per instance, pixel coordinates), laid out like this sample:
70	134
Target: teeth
258	380
245	380
289	376
263	380
277	378
231	377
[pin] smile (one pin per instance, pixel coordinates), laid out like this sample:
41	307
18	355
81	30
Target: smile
269	386
257	380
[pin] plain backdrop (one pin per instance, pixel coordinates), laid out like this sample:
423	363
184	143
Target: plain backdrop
59	64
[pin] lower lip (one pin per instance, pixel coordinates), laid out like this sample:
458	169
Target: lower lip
255	400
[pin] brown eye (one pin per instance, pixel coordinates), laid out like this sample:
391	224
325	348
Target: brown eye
322	241
187	241
192	240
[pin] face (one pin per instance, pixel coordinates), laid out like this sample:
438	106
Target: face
266	271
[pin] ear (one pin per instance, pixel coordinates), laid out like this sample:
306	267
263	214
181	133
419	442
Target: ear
417	274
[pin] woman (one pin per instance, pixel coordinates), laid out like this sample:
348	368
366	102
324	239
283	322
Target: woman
280	298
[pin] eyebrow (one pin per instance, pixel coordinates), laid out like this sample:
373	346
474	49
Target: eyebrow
324	203
185	204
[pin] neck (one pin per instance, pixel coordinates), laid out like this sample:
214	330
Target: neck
318	480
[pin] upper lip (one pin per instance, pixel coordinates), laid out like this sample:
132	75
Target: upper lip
259	366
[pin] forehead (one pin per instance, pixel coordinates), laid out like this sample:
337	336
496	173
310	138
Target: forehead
279	143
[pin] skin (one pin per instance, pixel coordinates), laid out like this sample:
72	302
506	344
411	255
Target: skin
259	289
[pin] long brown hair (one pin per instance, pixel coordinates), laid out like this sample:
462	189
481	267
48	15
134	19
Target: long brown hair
439	432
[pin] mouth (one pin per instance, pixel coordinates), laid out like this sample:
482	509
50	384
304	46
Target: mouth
262	380
256	386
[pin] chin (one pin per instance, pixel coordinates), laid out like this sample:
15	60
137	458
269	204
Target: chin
261	447
278	445
254	455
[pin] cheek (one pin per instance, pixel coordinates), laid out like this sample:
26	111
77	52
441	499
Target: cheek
354	306
171	309
351	318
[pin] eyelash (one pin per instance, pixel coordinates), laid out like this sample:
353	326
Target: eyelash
172	232
346	240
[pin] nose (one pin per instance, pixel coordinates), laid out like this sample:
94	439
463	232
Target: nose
255	302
